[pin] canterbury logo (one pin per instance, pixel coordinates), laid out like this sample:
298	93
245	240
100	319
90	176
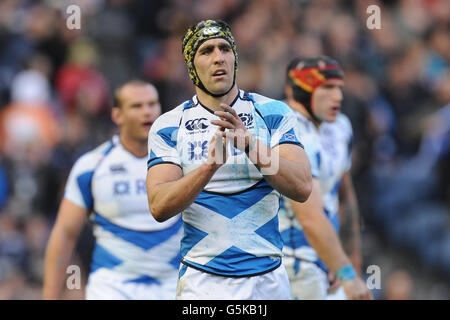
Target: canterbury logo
210	30
118	168
196	124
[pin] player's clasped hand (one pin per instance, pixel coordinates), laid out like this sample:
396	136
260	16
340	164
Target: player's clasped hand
237	133
217	154
356	289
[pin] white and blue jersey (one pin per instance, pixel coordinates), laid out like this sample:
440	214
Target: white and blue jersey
329	152
232	227
130	245
336	139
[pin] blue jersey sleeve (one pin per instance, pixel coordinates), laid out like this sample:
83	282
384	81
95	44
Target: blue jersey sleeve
280	121
162	141
346	130
78	187
79	184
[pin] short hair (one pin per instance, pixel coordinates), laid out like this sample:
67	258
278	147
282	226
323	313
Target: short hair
134	82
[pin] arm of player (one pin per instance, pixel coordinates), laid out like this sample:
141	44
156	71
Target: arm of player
286	167
324	239
60	246
293	177
169	192
350	221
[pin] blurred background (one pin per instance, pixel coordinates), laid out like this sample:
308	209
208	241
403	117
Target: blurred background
55	99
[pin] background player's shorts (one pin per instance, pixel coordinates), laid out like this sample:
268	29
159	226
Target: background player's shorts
104	286
309	283
196	285
338	294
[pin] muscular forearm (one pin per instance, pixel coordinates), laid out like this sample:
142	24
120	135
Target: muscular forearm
291	178
322	236
59	251
318	229
324	239
350	232
170	198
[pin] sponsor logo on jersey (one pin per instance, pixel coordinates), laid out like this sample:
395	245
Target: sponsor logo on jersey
127	187
198	150
196	124
118	168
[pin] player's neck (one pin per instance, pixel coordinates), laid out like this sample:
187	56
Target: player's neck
213	103
299	107
135	147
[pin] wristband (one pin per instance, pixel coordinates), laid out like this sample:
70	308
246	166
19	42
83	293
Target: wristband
346	273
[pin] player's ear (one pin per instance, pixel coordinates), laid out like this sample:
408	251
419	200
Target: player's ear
116	115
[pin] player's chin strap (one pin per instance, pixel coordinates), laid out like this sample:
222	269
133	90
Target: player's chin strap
306	100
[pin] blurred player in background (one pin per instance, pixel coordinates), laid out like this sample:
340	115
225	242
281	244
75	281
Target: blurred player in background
231	247
310	229
134	257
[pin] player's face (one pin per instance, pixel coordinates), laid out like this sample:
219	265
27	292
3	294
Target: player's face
326	100
139	109
214	63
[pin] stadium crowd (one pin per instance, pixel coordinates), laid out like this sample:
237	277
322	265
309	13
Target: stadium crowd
55	99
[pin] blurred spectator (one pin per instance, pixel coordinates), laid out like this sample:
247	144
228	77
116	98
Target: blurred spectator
36	234
12	246
40	26
81	86
113	31
4	187
437	59
28	127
